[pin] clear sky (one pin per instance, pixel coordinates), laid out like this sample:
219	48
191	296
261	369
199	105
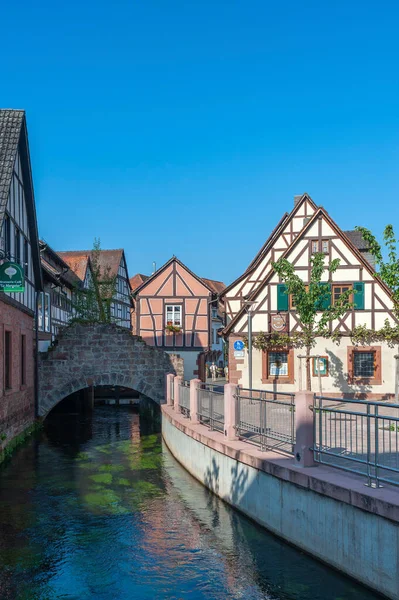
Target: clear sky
186	127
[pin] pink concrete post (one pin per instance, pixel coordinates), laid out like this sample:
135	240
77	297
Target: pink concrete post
230	411
169	382
178	381
304	429
194	387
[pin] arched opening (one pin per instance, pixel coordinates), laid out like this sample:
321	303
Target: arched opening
76	417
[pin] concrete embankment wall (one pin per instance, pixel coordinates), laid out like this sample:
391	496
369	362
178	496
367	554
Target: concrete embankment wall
361	543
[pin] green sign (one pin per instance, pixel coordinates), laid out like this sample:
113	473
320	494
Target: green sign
12	278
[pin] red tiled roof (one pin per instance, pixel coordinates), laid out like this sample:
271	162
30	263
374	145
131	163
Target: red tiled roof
137	280
77	260
216	286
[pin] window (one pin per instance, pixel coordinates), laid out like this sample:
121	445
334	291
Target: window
26	258
321	246
7	236
17	246
278	365
46	312
338	290
40	311
43	312
173	315
364	364
214	313
7	360
23	359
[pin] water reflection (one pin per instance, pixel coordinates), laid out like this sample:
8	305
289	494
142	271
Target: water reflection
97	510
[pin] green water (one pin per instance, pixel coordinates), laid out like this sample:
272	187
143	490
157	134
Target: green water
99	509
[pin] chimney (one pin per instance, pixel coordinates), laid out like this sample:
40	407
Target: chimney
297	199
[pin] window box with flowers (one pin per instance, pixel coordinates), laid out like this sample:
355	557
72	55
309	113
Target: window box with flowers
170	328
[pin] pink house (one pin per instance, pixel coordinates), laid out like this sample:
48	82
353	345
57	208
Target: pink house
173	311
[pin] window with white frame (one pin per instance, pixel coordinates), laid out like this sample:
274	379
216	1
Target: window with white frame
173	315
43	312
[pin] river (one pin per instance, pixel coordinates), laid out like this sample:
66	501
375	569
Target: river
97	508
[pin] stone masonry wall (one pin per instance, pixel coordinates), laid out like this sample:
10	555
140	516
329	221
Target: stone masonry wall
102	354
17	405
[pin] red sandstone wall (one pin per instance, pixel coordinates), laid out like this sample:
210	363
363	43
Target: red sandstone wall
235	368
17	404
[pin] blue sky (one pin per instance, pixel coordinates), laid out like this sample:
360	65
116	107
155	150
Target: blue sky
186	127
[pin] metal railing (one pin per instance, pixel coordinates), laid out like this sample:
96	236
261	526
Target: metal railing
211	406
184	398
266	418
360	436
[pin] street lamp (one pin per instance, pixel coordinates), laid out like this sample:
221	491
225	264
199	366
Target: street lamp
248	305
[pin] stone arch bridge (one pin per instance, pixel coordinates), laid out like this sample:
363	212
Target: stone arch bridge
102	354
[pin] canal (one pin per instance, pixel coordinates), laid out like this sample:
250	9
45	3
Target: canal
97	508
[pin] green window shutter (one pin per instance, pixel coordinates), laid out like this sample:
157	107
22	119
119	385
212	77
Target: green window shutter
326	302
358	298
282	297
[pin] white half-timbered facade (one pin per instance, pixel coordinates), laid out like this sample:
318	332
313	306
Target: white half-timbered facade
18	245
112	263
344	368
55	303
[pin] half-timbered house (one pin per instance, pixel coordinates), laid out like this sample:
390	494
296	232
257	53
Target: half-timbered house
345	368
19	249
55	303
113	263
173	311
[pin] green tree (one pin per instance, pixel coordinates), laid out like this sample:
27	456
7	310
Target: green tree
313	305
387	270
93	303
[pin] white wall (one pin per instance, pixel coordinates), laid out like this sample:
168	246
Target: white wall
336	382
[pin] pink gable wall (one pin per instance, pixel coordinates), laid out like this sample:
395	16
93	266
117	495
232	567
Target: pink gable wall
197	288
174	285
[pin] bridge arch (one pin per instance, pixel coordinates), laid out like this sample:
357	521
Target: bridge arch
102	354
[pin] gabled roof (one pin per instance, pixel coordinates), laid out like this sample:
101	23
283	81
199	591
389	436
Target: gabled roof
14	137
357	240
320	212
216	286
77	260
169	262
60	273
10	133
299	200
137	280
